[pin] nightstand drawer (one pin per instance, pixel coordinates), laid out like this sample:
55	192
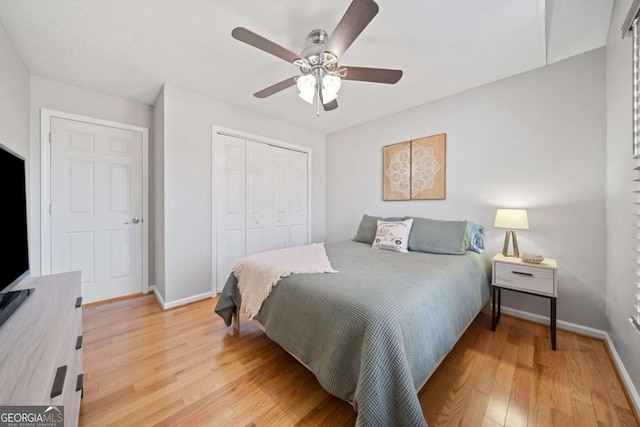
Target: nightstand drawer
532	279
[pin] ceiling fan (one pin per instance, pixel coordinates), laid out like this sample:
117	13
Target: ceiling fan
322	76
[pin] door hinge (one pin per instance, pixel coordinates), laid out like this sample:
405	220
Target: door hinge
49	208
49	137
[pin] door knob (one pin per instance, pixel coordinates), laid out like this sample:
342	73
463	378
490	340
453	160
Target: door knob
134	221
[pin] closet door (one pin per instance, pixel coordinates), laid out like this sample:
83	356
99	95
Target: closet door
230	198
259	198
280	182
298	185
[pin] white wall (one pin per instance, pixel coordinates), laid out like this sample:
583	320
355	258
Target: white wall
188	120
535	141
14	98
14	107
620	243
66	98
156	167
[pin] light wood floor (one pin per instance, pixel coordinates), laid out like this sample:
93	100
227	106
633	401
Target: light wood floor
143	366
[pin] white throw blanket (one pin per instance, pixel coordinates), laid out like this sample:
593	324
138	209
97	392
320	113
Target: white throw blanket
258	274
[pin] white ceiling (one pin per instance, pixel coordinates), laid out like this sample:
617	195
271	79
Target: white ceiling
130	48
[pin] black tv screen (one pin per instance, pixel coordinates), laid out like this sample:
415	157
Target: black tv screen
14	262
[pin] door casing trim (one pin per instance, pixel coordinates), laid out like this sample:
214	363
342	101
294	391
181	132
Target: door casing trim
45	185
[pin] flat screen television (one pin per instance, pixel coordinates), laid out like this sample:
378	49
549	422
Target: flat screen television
14	245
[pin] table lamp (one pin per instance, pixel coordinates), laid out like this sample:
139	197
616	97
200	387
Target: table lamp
511	219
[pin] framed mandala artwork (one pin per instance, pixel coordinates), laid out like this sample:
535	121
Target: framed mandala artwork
415	170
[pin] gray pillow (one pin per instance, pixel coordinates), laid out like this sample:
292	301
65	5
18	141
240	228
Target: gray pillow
438	237
368	226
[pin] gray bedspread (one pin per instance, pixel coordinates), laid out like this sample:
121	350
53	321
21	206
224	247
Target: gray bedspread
373	332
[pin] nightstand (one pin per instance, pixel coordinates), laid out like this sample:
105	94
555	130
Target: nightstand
535	279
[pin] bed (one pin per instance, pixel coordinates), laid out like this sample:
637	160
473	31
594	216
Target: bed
373	333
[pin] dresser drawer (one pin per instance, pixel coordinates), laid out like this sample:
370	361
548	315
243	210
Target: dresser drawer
530	279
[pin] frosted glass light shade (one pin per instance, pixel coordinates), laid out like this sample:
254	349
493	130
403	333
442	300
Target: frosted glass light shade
330	87
307	87
306	83
328	96
307	96
512	219
331	84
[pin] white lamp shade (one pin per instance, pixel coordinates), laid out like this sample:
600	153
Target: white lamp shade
513	219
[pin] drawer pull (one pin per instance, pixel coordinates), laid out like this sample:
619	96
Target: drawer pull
523	274
79	382
79	342
58	382
79	302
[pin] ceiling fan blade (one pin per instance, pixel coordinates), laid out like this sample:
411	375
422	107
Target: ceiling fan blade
377	75
355	19
259	42
291	81
330	106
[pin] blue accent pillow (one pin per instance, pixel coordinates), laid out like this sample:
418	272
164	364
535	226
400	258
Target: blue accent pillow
475	235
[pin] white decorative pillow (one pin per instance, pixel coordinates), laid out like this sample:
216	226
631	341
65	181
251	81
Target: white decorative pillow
393	235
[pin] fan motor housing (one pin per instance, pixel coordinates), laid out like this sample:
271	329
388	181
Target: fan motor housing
313	53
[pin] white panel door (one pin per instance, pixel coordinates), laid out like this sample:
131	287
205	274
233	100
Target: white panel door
230	198
259	198
297	198
96	207
280	182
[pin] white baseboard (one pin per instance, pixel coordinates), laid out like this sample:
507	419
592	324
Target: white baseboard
633	393
585	330
177	303
573	327
159	298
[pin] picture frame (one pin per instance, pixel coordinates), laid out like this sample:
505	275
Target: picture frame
415	170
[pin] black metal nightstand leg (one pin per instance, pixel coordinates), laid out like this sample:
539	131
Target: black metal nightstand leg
493	308
553	324
495	316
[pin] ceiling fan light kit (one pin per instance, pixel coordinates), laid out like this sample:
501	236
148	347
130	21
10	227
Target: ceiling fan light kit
322	76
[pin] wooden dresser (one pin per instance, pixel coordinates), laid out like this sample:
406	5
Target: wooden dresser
41	346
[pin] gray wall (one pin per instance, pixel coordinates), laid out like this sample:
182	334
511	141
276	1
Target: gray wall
187	148
534	141
620	224
66	98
